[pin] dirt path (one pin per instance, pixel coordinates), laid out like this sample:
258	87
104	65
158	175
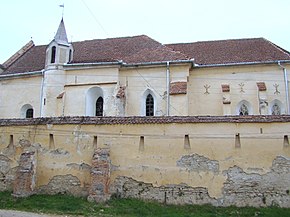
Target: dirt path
12	213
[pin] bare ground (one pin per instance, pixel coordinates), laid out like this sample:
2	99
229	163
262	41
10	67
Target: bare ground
13	213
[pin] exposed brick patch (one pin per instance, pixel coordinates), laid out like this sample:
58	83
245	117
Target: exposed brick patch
261	86
179	87
125	187
281	165
24	143
4	164
7	174
63	184
100	176
198	163
253	189
24	183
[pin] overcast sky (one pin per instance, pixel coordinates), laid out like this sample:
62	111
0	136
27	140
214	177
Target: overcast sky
167	21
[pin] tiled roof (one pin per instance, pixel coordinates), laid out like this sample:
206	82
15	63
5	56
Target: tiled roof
145	120
232	51
30	61
142	49
18	54
135	49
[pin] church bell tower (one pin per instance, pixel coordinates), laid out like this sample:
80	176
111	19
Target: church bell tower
59	50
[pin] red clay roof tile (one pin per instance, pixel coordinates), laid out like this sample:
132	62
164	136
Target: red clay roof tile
232	51
140	49
32	60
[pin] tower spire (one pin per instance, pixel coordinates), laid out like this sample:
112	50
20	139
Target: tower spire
60	36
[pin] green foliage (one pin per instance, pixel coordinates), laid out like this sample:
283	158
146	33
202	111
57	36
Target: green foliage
65	204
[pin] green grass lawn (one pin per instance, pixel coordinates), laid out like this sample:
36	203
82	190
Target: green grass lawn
64	204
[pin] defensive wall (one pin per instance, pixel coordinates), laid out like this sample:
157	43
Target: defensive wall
220	160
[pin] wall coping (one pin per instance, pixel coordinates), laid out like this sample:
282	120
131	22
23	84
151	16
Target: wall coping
85	120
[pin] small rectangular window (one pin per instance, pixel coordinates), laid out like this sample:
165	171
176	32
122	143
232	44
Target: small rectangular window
141	144
51	142
186	142
237	141
286	141
11	141
95	142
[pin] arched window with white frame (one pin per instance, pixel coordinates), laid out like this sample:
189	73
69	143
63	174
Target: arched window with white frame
244	108
27	111
149	103
99	106
276	108
95	102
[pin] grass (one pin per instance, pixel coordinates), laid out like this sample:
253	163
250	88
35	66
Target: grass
64	204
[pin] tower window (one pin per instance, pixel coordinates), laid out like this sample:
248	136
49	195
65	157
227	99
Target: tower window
149	105
70	55
53	54
29	113
99	106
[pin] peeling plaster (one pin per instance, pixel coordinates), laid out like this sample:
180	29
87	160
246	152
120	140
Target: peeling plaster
198	163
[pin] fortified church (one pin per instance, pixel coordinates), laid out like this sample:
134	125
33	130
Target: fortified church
186	123
138	76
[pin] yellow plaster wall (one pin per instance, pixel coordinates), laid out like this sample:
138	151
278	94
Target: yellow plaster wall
163	147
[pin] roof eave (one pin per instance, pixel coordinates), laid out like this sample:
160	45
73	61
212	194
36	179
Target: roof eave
241	63
71	66
75	66
20	75
159	63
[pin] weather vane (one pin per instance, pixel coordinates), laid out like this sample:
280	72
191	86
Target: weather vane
62	6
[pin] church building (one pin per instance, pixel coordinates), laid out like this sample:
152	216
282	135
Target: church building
138	76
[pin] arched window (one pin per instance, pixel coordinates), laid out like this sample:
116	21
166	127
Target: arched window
99	106
70	55
244	110
95	105
53	54
276	108
149	105
29	113
26	111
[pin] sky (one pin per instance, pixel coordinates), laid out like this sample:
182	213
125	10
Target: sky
167	21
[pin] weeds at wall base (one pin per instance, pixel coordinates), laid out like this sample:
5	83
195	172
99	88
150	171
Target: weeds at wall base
65	204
